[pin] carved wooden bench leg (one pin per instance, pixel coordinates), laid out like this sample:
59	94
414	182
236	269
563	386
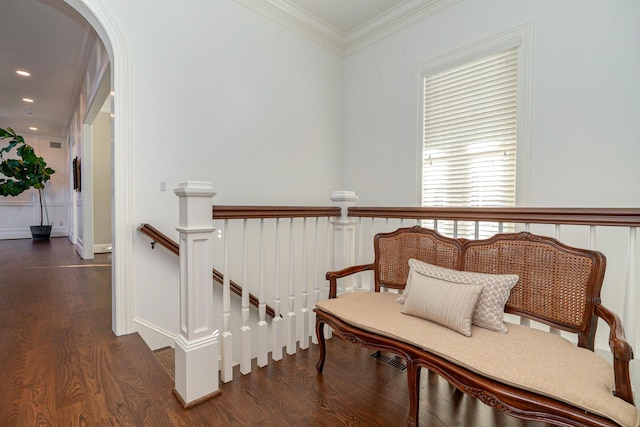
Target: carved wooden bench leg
413	377
321	344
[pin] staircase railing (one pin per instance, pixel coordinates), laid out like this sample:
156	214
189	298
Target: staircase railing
281	255
166	242
282	233
610	230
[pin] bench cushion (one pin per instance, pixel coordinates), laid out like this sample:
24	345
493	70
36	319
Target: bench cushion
526	358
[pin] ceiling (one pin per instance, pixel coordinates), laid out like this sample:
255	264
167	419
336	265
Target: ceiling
50	40
47	38
346	15
346	26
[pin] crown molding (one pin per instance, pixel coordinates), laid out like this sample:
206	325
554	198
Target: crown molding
344	44
299	21
393	21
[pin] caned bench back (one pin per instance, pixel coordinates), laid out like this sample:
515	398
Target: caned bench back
558	286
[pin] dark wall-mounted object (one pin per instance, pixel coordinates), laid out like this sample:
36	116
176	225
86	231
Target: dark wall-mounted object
76	175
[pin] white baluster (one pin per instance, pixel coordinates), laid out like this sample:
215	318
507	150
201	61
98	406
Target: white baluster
277	324
245	330
592	237
330	267
373	231
304	310
629	314
316	284
227	337
329	259
263	329
290	327
359	254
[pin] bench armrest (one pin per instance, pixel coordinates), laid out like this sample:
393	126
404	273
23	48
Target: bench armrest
333	276
621	350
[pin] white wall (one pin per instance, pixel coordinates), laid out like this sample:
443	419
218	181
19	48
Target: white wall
97	67
102	182
586	100
221	94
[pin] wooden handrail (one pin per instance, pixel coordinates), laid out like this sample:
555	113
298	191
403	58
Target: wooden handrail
624	217
256	212
158	237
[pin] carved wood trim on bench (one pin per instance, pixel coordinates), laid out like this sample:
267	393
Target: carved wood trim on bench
514	401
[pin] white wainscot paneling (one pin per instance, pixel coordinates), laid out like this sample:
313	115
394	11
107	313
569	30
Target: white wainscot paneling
17	216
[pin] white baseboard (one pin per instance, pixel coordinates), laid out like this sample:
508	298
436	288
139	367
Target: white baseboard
25	233
14	234
154	336
102	248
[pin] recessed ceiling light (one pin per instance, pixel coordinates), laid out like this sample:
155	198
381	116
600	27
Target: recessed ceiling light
23	73
27	99
33	128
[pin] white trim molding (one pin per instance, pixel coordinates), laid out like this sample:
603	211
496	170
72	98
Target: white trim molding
308	25
520	37
118	48
154	336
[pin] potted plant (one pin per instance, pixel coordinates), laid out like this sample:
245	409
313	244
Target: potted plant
22	173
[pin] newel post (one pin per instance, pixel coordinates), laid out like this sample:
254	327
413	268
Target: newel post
196	364
344	231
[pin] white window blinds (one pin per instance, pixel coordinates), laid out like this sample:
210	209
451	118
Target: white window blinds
469	154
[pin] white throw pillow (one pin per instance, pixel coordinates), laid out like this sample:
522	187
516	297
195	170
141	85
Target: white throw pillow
449	304
489	312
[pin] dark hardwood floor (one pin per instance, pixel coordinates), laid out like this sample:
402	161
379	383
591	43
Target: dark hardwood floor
60	365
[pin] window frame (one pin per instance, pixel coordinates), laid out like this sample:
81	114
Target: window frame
521	38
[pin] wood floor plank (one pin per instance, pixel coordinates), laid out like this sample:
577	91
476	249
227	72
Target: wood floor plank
38	388
13	372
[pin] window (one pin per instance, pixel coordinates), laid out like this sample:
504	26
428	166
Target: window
470	137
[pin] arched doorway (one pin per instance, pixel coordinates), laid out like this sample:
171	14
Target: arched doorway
95	12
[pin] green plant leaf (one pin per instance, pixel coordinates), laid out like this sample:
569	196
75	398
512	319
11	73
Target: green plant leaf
27	171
